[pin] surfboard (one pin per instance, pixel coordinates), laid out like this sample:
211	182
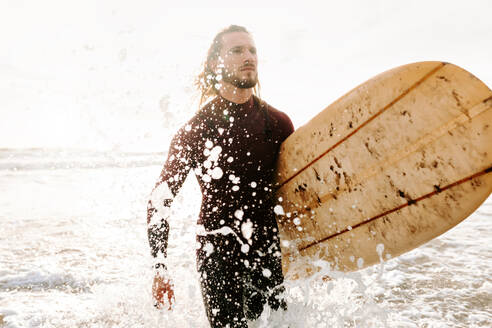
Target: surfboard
392	164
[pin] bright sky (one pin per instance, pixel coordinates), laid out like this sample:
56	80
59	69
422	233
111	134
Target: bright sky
117	74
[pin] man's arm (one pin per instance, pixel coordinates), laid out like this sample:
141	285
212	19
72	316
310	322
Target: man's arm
172	177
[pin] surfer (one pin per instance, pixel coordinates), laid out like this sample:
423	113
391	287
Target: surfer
231	145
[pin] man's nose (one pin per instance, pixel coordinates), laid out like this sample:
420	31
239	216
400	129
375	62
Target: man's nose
249	57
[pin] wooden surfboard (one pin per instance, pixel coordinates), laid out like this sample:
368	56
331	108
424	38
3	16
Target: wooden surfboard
392	164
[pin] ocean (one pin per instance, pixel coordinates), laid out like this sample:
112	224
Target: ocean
74	253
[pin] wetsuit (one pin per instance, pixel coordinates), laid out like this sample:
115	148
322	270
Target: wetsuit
232	149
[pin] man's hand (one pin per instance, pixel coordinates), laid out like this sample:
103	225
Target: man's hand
160	288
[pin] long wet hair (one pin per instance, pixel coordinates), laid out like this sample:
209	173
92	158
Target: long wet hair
206	82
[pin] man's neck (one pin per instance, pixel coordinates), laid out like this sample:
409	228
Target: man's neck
234	94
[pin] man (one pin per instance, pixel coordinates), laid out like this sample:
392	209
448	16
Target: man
232	145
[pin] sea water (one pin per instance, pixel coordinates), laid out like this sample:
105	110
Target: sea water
74	253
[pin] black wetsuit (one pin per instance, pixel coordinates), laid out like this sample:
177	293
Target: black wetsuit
232	149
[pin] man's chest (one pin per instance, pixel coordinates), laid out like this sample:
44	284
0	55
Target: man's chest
233	141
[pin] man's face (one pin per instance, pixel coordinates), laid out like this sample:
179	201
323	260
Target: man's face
238	61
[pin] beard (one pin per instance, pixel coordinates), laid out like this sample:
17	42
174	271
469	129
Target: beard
242	83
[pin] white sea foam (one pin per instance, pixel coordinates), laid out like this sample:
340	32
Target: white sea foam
217	173
42	281
279	210
247	229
